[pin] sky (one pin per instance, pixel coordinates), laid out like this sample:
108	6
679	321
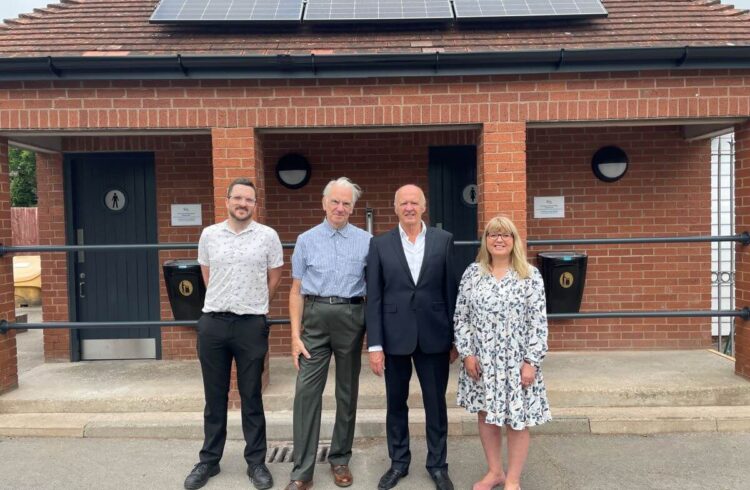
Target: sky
11	8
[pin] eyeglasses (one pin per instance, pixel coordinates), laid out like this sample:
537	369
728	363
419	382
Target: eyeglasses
239	199
495	236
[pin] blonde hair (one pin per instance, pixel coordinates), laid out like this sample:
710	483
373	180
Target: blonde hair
502	224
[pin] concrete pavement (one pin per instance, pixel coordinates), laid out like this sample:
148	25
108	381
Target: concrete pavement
641	392
559	462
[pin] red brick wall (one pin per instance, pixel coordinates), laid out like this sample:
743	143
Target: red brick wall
51	206
8	353
742	210
379	162
665	192
146	104
230	104
183	176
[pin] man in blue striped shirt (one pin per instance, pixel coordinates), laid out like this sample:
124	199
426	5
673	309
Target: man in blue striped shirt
327	314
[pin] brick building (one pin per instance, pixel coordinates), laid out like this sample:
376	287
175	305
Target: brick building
104	96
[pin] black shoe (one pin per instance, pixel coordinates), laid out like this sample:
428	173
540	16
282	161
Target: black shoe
200	475
441	479
260	477
390	478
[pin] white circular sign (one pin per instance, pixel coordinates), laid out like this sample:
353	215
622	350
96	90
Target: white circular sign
115	200
470	194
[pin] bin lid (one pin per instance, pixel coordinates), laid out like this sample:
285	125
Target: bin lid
182	263
564	256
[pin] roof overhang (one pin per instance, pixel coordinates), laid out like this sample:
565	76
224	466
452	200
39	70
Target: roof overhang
372	65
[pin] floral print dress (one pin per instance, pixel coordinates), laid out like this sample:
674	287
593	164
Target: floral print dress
502	322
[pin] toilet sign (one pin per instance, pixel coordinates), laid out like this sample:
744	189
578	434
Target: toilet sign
115	200
469	195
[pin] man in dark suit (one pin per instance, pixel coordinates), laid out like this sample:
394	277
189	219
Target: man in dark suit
411	294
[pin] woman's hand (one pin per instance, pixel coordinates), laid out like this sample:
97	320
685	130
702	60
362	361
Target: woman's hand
471	364
528	374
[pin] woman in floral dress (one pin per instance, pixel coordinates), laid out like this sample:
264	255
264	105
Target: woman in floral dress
501	335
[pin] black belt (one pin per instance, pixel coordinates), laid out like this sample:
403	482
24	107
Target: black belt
229	314
336	300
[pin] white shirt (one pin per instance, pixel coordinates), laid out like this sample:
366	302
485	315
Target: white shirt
238	264
414	251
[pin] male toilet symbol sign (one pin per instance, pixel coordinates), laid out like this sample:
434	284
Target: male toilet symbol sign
115	200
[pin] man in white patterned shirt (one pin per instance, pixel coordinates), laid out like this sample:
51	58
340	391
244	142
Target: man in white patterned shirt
326	310
241	263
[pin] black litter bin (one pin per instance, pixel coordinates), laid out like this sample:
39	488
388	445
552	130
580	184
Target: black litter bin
185	288
564	275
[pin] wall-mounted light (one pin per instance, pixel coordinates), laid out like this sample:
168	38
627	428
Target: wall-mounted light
293	171
609	163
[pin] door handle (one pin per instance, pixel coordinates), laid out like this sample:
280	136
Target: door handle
79	241
81	286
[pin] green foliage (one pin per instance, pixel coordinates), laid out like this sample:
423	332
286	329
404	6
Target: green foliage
22	177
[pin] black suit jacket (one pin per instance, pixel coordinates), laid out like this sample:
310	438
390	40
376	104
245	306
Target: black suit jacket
401	314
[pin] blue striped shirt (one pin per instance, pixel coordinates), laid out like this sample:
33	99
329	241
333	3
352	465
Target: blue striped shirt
331	262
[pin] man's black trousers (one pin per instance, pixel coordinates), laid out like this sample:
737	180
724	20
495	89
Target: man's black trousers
221	338
432	370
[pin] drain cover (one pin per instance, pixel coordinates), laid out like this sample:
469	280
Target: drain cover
284	453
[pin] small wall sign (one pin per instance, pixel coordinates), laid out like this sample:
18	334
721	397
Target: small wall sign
187	215
549	207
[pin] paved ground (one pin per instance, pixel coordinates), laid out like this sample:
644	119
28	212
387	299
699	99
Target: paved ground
677	461
30	343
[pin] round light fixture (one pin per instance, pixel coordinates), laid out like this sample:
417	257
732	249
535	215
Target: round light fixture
609	163
293	171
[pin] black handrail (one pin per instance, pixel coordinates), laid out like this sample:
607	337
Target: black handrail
743	238
744	313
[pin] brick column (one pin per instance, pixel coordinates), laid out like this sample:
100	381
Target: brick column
237	152
8	353
501	173
51	222
742	266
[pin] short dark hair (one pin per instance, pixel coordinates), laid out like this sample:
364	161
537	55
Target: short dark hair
241	181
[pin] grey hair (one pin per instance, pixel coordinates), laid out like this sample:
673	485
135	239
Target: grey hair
422	198
347	184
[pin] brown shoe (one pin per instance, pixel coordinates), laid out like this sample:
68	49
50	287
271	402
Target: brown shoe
299	485
342	475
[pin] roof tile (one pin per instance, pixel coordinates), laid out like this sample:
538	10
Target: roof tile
86	27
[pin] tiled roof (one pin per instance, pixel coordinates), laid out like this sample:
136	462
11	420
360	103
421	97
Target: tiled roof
121	27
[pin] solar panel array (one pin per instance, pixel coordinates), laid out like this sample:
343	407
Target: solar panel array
484	9
228	11
368	10
347	10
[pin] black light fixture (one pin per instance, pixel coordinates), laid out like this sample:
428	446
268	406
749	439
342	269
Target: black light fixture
609	163
293	171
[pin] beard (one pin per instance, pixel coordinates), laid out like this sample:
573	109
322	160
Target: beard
232	213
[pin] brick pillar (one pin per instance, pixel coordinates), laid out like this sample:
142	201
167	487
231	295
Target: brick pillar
742	266
51	222
237	152
501	173
8	353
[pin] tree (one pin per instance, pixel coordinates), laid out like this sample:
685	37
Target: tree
22	177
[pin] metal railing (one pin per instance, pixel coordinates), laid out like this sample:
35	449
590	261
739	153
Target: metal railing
744	313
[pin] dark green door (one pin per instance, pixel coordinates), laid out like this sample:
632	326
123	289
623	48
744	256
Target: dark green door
113	201
453	196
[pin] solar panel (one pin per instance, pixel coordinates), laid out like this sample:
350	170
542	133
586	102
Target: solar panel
227	11
365	10
485	9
